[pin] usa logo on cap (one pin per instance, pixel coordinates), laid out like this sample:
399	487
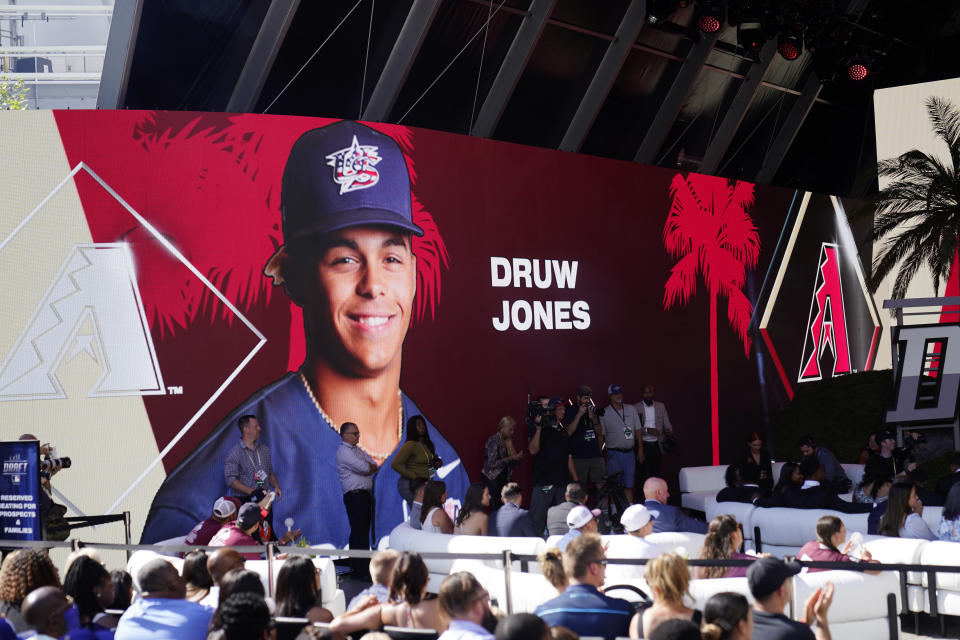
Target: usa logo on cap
353	167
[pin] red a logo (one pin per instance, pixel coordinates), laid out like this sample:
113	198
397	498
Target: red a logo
827	322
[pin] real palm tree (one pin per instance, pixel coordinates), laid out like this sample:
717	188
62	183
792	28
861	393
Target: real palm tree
918	212
710	233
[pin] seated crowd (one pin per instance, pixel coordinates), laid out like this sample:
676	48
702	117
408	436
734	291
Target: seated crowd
215	597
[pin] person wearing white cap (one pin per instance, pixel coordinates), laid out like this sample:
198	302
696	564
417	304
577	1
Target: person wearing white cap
224	510
580	520
637	521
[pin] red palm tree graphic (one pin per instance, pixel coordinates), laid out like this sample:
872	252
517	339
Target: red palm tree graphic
710	233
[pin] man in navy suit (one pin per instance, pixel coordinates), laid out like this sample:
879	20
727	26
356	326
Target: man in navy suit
667	517
510	520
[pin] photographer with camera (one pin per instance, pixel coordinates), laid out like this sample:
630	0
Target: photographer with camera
51	513
550	448
621	423
582	420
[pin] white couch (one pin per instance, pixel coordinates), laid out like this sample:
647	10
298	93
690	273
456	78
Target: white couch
406	538
332	597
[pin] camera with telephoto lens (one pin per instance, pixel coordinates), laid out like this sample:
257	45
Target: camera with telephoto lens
48	465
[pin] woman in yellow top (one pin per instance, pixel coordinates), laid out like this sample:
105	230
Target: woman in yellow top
416	458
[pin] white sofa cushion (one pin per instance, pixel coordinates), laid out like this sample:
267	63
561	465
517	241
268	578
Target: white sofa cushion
942	553
708	478
527	590
691	543
406	538
897	551
697	500
856	596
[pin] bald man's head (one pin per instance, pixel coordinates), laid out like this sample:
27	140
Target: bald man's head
656	489
221	561
160	579
43	610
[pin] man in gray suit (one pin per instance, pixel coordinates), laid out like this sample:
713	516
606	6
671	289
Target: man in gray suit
557	516
655	425
667	517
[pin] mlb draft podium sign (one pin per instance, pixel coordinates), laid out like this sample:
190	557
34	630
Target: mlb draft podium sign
20	490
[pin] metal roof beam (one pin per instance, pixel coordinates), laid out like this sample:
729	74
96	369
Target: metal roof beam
401	58
605	75
791	126
673	102
262	55
121	42
738	109
513	65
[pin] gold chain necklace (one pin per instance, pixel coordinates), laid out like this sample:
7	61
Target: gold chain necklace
381	457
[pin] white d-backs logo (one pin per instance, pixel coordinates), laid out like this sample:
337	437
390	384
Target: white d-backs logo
96	287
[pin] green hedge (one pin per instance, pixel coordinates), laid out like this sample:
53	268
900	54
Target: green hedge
840	413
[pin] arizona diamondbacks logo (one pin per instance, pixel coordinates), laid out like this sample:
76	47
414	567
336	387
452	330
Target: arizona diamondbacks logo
353	167
827	323
93	305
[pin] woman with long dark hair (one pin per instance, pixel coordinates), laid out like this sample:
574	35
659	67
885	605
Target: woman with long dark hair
196	576
298	591
89	584
473	518
722	542
875	485
904	516
408	589
790	477
758	457
432	516
727	616
417	458
949	528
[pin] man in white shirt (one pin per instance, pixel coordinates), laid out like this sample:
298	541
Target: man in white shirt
637	521
356	469
620	423
655	423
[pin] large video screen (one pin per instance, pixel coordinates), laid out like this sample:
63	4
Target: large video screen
165	274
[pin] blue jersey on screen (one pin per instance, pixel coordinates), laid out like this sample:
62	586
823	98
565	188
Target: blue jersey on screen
303	446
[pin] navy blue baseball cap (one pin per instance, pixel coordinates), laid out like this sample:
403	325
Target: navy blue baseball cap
345	175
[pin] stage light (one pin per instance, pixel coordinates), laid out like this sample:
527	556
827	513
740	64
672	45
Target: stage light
858	69
790	42
710	15
708	24
750	36
660	10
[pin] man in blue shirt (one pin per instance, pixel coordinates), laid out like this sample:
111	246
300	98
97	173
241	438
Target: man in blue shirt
347	261
161	613
582	608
